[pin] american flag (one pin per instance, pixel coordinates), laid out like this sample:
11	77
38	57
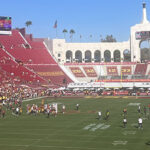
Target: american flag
55	25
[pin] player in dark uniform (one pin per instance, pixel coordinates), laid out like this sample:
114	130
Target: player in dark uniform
107	114
0	110
145	111
124	112
3	113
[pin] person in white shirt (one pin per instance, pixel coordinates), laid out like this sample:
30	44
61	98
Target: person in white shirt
48	112
77	106
140	121
63	109
17	110
124	122
139	109
99	115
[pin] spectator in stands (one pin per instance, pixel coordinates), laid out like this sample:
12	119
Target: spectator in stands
1	46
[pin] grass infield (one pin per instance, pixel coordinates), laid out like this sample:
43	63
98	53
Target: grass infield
78	130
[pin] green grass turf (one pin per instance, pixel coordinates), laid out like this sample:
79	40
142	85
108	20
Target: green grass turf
65	132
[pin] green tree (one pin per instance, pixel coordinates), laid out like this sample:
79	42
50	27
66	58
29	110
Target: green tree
109	38
72	32
28	23
64	32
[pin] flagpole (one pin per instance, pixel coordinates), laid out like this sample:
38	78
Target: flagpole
56	32
55	27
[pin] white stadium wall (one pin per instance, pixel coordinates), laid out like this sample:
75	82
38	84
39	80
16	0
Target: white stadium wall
59	47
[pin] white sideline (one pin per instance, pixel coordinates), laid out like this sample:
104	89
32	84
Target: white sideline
34	99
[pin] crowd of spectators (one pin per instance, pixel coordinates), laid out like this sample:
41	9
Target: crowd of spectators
12	88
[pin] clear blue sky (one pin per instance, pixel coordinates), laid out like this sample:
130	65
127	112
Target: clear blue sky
86	17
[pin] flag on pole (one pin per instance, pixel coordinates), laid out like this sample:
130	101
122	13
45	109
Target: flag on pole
55	25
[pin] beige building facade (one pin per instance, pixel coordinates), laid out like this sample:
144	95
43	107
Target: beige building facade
65	52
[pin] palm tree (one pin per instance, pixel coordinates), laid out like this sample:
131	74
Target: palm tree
28	23
64	32
71	34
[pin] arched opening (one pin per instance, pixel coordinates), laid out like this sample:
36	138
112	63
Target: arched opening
126	55
107	56
145	50
88	56
78	56
97	56
69	56
116	56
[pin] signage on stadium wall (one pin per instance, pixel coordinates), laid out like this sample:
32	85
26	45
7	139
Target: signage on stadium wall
90	71
53	74
142	35
109	85
112	70
77	72
5	25
126	70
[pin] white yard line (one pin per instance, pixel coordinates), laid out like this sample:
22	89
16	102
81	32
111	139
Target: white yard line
50	134
129	132
94	127
19	138
119	142
48	146
27	100
89	126
97	127
134	104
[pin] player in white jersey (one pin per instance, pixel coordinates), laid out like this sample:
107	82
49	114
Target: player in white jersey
99	115
63	109
124	122
140	122
77	106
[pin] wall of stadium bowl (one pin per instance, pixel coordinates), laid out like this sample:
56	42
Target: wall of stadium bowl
89	52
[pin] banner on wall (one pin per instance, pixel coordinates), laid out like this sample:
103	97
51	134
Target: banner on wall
90	71
77	72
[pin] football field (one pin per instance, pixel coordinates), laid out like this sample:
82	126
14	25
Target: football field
78	130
